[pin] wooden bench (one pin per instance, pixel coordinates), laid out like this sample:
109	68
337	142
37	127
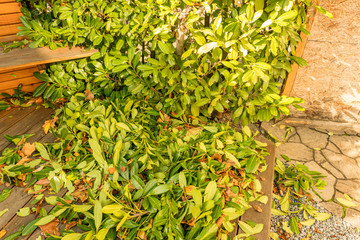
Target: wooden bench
18	65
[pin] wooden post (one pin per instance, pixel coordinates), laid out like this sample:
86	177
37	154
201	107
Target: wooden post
290	80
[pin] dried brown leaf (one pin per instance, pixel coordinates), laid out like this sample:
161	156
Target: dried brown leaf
71	225
89	95
28	149
258	209
49	124
43	181
112	170
50	228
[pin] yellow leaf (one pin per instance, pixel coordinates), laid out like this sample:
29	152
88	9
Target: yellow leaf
2	233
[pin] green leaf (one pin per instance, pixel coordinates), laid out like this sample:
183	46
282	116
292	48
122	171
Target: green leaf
23	212
246	130
233	159
287	16
309	222
160	189
45	220
154	202
259	5
210	191
102	234
251	165
284	202
5	194
208	232
82	208
246	228
165	48
42	150
108	209
322	216
263	65
119	68
29	228
72	236
195	193
323	11
182	179
40	89
2	212
207	47
123	126
55	184
294	225
300	61
277	212
117	149
97	152
346	202
97	214
199	38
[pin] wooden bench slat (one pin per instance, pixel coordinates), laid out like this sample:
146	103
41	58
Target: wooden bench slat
17	74
14	83
11	38
10	29
13	7
29	57
6	1
10	18
28	88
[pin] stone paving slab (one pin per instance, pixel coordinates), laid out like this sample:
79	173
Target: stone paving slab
335	154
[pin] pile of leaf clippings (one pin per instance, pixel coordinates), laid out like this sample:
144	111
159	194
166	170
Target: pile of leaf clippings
134	172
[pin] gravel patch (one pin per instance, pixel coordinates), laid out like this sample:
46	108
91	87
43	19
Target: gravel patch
334	228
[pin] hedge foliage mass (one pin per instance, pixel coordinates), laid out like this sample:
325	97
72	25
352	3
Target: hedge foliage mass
137	149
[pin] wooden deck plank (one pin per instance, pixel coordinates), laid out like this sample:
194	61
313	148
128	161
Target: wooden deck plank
10	221
23	127
11	38
36	129
3	113
17	196
14	116
28	57
267	185
12	7
17	74
16	222
11	18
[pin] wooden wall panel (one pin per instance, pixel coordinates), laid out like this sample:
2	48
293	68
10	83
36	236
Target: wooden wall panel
27	88
10	29
17	74
12	7
11	18
14	83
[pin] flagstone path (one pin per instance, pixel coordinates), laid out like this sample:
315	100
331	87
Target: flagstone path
335	154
